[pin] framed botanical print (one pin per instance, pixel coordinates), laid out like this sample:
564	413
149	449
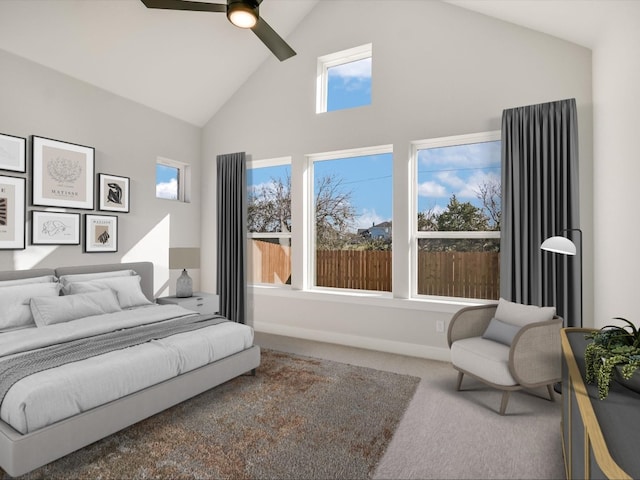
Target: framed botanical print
13	153
113	193
62	174
55	228
100	233
12	208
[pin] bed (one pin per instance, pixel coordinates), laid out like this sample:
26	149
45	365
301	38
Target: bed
30	438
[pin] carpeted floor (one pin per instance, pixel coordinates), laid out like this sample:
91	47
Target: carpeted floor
298	418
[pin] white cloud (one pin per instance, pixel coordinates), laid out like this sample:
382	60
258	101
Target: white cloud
473	183
167	189
431	189
451	179
360	69
368	218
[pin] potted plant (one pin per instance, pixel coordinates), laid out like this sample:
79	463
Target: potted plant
613	348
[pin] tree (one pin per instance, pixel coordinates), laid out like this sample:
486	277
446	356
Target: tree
428	221
269	210
334	213
269	207
490	194
462	217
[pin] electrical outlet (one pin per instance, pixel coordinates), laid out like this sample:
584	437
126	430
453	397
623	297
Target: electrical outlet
440	326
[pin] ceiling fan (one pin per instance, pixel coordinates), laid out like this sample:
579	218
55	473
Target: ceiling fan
242	13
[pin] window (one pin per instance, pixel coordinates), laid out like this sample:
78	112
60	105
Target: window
457	200
269	221
351	206
172	180
344	79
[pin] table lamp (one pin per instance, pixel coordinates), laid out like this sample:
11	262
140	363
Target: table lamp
183	258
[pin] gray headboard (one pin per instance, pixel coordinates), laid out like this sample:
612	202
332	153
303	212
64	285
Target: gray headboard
144	269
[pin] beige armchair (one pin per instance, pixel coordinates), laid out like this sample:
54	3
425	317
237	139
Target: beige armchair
524	353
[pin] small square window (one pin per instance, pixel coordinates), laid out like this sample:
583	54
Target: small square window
172	180
344	79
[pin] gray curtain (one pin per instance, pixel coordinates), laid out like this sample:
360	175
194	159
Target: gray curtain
540	199
232	237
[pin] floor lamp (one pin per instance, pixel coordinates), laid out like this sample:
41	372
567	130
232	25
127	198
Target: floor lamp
565	246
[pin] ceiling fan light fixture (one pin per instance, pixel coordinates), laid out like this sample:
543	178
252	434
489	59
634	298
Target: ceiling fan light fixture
242	14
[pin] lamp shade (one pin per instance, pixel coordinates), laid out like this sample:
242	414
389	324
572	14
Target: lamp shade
180	258
559	245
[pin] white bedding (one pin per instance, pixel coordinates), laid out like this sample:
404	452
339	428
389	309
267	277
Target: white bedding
53	395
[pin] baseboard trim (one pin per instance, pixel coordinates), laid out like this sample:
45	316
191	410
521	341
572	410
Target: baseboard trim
368	343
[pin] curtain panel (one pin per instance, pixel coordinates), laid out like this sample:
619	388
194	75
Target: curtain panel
540	198
232	237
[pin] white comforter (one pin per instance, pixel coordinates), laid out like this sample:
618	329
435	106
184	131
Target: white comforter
53	395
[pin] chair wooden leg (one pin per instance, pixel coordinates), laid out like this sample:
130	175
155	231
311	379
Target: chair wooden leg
460	375
505	399
551	395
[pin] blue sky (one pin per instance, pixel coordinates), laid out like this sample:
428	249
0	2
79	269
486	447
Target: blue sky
459	170
166	182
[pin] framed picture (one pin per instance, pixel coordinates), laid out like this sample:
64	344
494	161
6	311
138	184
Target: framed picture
12	208
113	193
62	174
100	233
13	153
55	228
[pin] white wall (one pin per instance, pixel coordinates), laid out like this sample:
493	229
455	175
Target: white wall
437	71
127	137
616	98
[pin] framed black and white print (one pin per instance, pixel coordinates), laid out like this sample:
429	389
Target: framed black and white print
55	228
100	233
113	193
62	174
13	153
12	216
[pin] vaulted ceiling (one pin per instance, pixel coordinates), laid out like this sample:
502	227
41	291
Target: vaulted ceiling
187	64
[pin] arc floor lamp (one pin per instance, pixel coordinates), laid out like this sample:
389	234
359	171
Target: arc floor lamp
564	246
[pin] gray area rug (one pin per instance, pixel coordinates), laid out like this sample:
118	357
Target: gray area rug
298	418
446	434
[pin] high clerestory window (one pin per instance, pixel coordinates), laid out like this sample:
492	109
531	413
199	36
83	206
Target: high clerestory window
344	79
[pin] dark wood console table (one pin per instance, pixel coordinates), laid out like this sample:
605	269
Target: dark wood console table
600	438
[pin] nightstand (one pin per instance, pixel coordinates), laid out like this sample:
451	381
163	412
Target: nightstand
200	302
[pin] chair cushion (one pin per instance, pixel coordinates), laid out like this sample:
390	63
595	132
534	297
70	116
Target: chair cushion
521	315
483	358
501	332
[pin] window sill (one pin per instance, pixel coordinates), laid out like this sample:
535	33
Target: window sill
384	299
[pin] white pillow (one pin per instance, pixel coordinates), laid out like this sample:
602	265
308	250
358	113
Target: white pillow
84	277
127	289
25	281
521	315
14	303
51	310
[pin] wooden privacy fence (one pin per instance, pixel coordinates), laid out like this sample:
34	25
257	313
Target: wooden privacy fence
357	269
450	274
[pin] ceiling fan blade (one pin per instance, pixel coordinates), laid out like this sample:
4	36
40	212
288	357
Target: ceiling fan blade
185	5
272	40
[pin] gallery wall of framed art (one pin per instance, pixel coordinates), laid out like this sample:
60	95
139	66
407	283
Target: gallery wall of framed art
62	178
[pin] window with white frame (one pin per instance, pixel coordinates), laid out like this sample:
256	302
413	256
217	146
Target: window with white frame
344	79
457	210
172	179
351	198
269	221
